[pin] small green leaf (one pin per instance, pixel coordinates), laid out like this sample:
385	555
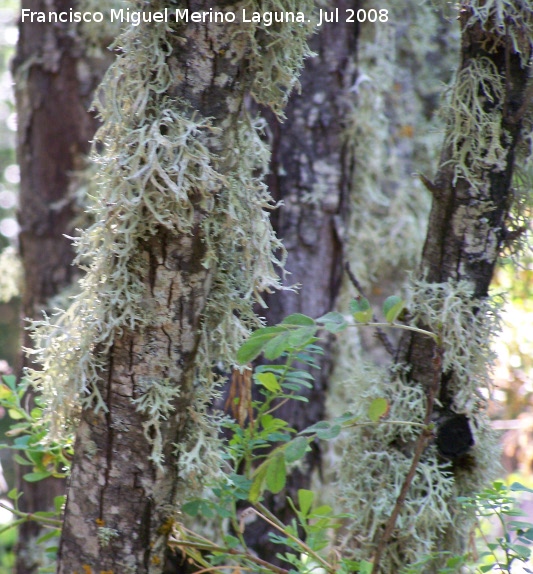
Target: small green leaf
22	461
231	541
305	500
361	310
392	307
328	434
15	414
59	502
13	494
378	408
302	337
5	393
365	567
517	487
277	346
36	476
321	425
276	474
258	480
36	413
269	381
296	449
10	381
49	535
333	322
253	347
298	319
523	552
323	510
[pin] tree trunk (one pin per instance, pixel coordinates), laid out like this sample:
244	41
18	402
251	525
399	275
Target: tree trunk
399	483
472	197
179	247
54	133
310	171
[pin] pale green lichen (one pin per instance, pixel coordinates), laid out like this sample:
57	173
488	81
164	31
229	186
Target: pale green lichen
279	51
466	326
10	274
155	402
376	460
159	170
394	133
476	136
106	535
509	20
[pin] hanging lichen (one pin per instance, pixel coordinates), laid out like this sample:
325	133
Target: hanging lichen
166	166
395	133
376	459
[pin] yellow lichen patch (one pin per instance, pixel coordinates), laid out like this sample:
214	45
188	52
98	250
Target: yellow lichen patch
156	560
86	569
100	522
166	527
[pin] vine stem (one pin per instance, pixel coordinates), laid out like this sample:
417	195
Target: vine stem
209	546
25	516
419	449
399	326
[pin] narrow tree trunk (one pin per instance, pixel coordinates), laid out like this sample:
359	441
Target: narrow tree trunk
54	133
180	245
310	171
401	483
472	196
467	225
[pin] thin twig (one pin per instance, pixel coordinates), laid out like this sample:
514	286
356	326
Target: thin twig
210	547
419	449
281	527
382	336
27	516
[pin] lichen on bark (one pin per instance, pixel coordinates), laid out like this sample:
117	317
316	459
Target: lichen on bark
180	249
472	196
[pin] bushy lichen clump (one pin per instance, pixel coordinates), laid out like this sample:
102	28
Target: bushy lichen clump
165	166
376	459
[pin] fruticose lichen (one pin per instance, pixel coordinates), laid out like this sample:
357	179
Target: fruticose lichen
374	468
395	132
10	274
377	458
163	164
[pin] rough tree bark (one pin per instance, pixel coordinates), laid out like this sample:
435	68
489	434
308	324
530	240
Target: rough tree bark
472	193
310	172
55	81
467	225
128	476
401	484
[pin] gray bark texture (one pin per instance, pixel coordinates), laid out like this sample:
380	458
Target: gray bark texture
310	172
54	133
467	225
121	504
467	228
